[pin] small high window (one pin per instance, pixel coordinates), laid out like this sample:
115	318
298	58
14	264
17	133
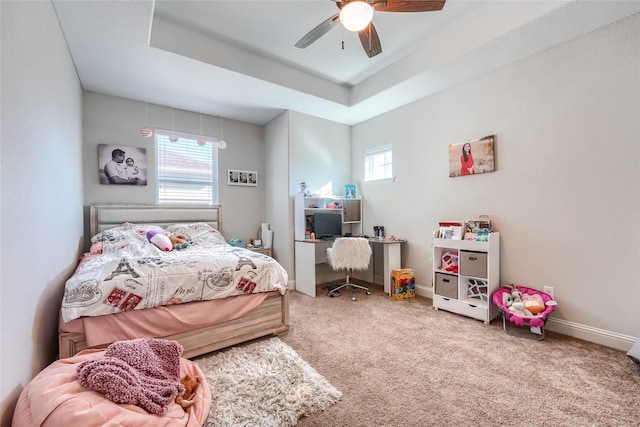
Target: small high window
378	164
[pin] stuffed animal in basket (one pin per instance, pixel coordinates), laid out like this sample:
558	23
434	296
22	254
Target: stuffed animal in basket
190	384
160	240
533	303
178	241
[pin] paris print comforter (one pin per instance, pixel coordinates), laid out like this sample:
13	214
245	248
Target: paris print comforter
131	273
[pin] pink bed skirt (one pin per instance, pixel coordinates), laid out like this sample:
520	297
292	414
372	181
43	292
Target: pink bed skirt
161	321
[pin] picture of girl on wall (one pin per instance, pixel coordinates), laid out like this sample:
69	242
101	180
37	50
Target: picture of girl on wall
472	157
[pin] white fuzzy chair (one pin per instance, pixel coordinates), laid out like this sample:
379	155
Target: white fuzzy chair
349	253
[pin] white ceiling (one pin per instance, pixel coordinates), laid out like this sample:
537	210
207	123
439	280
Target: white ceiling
237	59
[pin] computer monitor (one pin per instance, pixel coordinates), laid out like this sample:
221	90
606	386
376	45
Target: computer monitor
327	225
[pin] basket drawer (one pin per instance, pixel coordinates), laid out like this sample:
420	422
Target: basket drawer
446	285
473	264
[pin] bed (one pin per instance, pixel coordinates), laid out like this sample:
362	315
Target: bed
201	325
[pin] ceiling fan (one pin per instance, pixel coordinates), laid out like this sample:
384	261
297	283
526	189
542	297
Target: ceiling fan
368	34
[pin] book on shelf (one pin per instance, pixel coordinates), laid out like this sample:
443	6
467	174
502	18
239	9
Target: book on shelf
478	229
450	230
475	225
480	236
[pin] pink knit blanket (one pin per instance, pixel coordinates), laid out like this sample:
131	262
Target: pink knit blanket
143	372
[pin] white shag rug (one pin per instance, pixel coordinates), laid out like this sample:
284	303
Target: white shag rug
265	383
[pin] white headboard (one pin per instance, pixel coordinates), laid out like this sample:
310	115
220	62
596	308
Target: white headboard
102	217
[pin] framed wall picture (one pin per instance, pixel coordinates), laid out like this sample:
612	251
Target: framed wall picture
122	165
242	177
472	157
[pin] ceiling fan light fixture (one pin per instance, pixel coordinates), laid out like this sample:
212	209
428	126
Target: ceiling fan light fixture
356	15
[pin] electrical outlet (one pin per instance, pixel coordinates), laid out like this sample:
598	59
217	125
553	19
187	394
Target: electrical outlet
549	290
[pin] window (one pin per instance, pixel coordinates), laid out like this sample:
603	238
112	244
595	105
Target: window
187	168
378	164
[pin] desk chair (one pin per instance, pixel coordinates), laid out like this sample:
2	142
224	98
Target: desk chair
349	253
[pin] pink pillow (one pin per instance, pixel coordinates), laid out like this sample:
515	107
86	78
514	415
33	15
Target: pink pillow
96	248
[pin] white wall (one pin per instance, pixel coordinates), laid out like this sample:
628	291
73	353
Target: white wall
301	148
114	120
566	193
41	190
320	155
276	196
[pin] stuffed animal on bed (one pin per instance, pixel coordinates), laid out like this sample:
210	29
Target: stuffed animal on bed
178	241
159	239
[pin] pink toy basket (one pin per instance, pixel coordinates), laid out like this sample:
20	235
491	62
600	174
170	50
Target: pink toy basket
533	321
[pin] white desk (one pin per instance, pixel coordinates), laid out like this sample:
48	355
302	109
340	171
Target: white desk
311	263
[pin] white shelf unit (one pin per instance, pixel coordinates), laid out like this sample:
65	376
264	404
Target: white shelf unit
350	210
467	291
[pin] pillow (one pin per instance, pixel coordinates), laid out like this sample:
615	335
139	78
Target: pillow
127	233
198	233
96	248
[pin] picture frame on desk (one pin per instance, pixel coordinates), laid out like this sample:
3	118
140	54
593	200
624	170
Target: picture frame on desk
350	191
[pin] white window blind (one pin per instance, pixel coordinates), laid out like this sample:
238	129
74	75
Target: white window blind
378	163
187	172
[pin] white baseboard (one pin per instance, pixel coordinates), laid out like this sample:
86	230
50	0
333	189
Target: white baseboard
576	330
589	333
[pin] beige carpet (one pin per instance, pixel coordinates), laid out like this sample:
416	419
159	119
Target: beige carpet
401	363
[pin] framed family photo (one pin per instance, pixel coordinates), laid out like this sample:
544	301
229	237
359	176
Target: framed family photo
472	157
122	165
242	177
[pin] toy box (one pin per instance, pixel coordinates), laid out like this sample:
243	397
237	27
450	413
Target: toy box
403	284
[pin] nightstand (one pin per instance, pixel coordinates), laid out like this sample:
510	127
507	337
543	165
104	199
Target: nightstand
264	251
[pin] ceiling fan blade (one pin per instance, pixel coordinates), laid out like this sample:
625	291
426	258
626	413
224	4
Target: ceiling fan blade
318	31
409	5
370	41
